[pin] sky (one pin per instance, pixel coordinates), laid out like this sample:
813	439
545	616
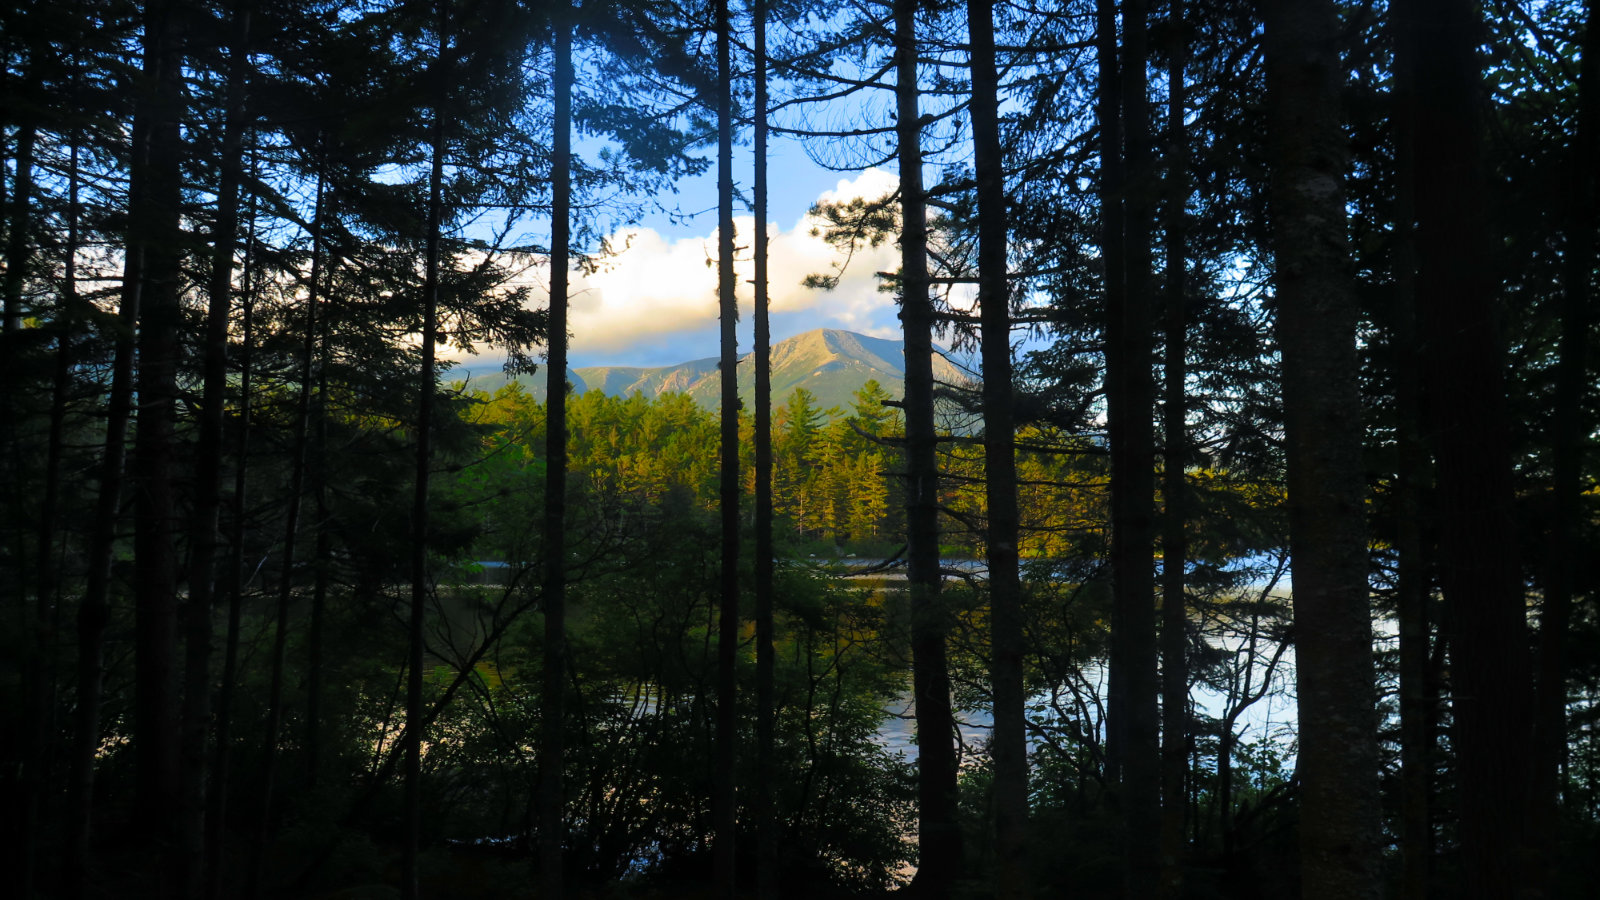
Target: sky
654	303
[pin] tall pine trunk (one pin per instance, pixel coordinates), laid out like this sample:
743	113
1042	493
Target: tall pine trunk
1009	739
291	535
938	831
1130	407
1417	703
552	701
196	717
724	812
1469	426
155	213
41	726
410	889
1113	256
1174	542
221	764
766	827
1316	329
19	227
94	612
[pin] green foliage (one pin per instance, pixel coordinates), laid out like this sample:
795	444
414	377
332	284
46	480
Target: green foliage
641	632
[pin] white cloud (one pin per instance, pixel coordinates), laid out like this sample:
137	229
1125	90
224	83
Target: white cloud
662	291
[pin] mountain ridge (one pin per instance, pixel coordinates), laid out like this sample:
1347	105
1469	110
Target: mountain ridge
830	363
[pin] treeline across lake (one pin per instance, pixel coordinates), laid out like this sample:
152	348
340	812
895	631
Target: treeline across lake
838	477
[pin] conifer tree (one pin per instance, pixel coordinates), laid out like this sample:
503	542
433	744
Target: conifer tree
1316	325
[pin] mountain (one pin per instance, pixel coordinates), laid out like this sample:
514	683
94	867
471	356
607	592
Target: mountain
831	364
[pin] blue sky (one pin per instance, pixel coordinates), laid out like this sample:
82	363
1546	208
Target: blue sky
654	303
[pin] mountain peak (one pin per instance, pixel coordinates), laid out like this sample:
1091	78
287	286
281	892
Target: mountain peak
830	363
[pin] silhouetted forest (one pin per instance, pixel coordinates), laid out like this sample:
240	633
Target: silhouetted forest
1256	558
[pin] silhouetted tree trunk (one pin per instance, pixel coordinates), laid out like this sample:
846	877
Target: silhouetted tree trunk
95	610
1317	310
1113	256
316	626
1412	579
291	534
1174	542
40	728
18	225
553	706
938	833
217	811
196	718
766	826
1465	397
426	389
1127	186
1009	741
21	744
1130	408
723	801
154	214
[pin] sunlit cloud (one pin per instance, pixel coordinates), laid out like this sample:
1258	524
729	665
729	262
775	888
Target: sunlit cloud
658	295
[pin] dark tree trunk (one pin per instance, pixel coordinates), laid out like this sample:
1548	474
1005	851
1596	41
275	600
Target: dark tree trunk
217	807
196	717
1317	310
723	800
1174	542
154	213
1130	409
1464	394
410	889
95	610
553	706
322	546
291	534
766	827
19	743
938	832
43	686
1113	256
1009	739
18	227
1412	580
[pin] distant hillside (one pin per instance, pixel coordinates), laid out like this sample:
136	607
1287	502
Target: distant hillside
830	364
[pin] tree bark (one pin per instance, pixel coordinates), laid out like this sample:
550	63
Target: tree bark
1009	740
410	887
1412	579
19	230
1113	257
196	712
1316	329
766	825
216	814
154	212
723	791
552	701
1465	398
94	611
938	832
1174	541
291	535
1130	408
40	728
